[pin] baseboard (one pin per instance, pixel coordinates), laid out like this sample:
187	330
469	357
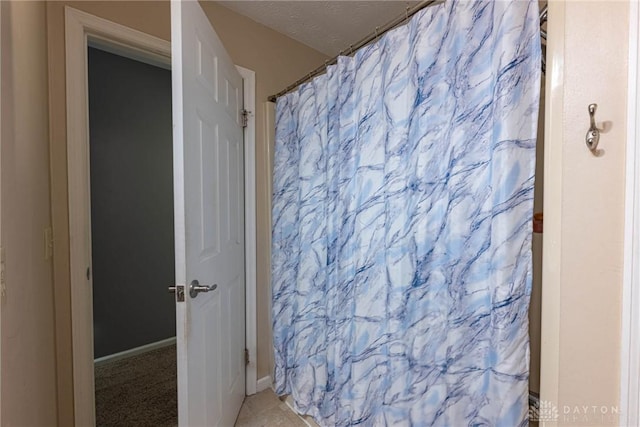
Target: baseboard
263	383
308	420
137	350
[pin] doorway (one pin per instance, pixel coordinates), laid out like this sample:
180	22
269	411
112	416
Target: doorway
81	29
132	243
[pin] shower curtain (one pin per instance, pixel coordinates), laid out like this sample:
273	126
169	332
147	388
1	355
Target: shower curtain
402	206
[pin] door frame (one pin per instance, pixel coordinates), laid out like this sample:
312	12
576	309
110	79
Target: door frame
630	339
81	30
250	230
552	241
2	263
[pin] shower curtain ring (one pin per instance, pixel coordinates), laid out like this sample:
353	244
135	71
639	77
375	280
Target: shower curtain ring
350	49
406	11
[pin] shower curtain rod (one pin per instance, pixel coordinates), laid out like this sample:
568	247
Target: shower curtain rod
379	31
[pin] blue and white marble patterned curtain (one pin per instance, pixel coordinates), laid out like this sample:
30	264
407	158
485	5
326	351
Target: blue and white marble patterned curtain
403	197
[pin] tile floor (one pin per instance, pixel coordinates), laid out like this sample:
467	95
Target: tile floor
265	409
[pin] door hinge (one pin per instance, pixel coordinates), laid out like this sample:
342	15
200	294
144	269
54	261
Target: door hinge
246	356
244	115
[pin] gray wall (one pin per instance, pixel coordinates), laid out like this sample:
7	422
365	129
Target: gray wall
131	202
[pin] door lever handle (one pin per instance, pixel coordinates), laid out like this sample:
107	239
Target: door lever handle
195	288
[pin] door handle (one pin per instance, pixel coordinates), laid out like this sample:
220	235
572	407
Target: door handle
195	288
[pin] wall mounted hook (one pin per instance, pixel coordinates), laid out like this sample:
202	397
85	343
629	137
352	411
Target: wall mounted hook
593	134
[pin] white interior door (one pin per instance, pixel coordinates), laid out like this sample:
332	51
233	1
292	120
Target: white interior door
209	221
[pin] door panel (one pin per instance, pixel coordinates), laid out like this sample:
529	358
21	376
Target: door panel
209	187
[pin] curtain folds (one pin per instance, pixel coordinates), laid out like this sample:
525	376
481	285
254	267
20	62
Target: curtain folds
403	198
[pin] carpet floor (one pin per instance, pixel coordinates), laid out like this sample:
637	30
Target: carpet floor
138	391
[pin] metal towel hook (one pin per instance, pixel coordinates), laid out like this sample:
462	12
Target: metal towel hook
593	134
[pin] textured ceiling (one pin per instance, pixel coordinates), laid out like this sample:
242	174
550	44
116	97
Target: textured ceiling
327	26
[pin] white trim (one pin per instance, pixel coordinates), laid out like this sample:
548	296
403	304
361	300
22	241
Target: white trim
104	360
179	209
270	137
264	383
123	50
630	351
249	83
2	257
79	28
306	419
553	175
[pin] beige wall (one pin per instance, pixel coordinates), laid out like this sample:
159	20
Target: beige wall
28	360
583	197
584	208
277	61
